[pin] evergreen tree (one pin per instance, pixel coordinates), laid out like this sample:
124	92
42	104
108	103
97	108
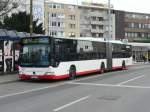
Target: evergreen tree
21	22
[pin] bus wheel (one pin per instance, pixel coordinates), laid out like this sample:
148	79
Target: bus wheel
72	73
123	65
102	70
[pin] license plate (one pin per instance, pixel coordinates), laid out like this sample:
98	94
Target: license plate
34	77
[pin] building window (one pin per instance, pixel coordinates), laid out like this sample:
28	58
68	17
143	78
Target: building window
60	33
52	33
140	26
54	15
72	26
132	25
58	6
148	35
54	6
100	27
100	35
93	26
58	24
50	23
50	5
54	23
72	17
93	34
93	18
100	19
62	6
126	34
135	34
61	24
139	35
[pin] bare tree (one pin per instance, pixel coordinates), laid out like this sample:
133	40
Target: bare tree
7	5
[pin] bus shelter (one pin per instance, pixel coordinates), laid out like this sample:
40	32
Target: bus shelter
9	52
141	52
9	49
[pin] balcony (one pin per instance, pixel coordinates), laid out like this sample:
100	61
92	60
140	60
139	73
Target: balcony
97	22
97	30
97	14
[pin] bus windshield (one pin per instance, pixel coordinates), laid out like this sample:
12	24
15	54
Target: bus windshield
35	55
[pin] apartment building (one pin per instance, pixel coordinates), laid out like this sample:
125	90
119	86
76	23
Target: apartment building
86	20
94	20
61	19
132	26
135	27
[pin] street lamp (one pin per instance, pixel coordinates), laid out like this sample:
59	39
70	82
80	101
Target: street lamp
31	18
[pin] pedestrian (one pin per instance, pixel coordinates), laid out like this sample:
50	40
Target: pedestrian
144	58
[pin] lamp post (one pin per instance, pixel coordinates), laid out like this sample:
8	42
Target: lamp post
31	18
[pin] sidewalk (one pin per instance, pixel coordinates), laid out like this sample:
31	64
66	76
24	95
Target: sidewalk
7	78
141	63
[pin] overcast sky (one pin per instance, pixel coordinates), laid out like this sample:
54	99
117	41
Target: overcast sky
142	6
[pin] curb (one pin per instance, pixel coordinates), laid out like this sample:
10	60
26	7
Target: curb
9	81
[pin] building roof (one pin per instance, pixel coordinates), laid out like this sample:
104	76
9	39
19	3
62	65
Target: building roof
13	34
140	44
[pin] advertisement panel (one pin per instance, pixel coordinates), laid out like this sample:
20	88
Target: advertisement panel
8	56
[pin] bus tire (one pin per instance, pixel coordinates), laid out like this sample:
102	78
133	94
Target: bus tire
123	65
102	69
72	73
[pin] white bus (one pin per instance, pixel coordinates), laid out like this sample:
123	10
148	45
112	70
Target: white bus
44	57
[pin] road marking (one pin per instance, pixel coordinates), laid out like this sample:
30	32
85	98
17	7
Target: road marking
92	76
110	85
71	103
38	89
32	90
121	83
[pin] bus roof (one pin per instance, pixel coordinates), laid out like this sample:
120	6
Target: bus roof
85	39
93	39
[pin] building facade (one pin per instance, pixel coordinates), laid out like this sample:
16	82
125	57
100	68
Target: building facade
132	26
61	20
94	21
86	20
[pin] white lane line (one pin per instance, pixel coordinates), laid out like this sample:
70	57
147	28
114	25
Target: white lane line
121	83
110	85
32	90
92	77
71	103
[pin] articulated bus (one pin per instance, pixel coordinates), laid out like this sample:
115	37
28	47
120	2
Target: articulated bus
45	57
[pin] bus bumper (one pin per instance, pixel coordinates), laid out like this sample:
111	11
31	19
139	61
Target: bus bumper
46	77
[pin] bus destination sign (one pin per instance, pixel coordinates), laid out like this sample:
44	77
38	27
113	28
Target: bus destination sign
41	40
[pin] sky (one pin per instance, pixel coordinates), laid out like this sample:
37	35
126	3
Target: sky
142	6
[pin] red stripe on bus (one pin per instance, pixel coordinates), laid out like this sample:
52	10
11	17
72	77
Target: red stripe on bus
25	76
87	72
55	77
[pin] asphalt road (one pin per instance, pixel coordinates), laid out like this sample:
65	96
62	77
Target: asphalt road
119	91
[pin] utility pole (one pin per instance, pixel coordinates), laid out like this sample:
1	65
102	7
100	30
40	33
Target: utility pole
109	21
31	18
108	44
